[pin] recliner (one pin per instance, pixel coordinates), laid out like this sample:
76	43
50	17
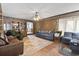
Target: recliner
67	37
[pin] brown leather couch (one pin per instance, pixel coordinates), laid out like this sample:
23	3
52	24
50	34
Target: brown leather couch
14	48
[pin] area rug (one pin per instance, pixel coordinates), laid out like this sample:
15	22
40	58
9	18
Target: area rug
32	44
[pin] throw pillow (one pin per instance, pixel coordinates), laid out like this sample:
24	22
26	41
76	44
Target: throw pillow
10	38
2	42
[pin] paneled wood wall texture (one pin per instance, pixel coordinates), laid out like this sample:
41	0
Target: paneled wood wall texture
15	21
1	20
11	19
48	24
51	23
0	12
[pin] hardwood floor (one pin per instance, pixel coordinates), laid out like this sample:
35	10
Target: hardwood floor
50	50
34	46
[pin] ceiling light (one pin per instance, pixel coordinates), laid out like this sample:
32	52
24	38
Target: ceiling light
36	16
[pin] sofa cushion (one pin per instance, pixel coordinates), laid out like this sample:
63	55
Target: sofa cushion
69	38
10	38
45	35
67	34
75	35
43	32
5	40
2	42
14	41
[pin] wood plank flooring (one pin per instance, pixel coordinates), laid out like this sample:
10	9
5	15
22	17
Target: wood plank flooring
34	46
50	50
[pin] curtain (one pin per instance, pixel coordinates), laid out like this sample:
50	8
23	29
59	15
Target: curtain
69	24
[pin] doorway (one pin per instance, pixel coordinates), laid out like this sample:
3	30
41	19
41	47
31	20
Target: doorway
29	27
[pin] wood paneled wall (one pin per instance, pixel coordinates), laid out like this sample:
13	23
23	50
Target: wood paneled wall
51	23
11	19
1	20
16	20
48	24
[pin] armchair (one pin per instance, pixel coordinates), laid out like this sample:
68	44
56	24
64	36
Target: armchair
66	38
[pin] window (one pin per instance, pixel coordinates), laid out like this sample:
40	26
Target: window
7	27
61	25
69	26
77	28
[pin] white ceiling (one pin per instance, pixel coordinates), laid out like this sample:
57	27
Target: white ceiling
27	10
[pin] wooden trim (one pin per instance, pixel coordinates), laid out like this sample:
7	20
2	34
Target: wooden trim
63	15
18	18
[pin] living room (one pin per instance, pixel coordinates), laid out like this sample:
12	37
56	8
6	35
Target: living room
39	29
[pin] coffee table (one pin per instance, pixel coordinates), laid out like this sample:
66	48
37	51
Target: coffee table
69	50
74	46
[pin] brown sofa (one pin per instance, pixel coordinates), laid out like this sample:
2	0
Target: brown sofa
14	48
